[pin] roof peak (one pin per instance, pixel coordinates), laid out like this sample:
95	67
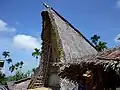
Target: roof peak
45	4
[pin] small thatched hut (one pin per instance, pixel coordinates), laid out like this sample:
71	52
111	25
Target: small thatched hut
102	70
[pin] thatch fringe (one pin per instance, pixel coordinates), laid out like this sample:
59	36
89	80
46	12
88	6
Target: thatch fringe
108	59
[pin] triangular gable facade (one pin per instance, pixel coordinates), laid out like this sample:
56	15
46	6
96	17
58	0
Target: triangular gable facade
61	43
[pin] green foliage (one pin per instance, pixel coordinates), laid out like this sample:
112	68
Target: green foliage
16	66
99	45
18	75
21	64
95	39
6	54
9	60
2	78
36	53
12	68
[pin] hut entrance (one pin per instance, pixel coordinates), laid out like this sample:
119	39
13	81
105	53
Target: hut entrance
97	79
89	78
111	80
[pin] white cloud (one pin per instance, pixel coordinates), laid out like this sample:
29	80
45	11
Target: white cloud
118	3
116	38
5	27
26	42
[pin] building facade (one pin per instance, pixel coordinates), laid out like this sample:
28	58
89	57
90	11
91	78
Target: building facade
61	43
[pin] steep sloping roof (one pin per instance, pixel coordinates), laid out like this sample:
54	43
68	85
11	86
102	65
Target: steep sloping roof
69	39
73	27
73	43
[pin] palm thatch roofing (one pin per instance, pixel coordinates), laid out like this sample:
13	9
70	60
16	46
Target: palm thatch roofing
72	42
108	59
65	41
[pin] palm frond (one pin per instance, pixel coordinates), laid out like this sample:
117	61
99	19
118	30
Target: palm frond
9	60
6	54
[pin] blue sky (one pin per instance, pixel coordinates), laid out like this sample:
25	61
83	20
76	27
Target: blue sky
20	23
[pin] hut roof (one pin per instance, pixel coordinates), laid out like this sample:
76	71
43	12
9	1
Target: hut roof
72	42
22	80
106	56
20	84
107	59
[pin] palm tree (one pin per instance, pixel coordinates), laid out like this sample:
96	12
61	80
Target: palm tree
9	60
99	45
17	65
95	39
12	68
36	54
6	54
21	64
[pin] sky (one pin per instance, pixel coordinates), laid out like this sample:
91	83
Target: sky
21	24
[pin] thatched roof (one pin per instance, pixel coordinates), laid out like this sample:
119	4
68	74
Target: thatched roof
107	59
21	84
58	33
22	80
104	57
72	42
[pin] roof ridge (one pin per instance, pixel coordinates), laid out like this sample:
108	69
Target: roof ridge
72	27
21	80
